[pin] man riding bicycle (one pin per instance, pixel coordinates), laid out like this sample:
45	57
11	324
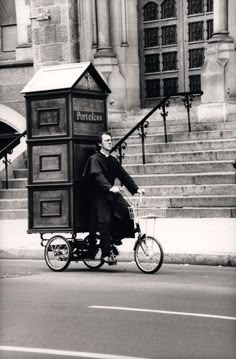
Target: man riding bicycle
109	213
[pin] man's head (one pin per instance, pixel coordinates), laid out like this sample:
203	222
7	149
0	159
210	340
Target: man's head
104	142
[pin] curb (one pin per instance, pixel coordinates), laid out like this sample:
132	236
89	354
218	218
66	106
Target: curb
169	258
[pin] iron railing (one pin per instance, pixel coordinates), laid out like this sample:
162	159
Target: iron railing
8	149
141	126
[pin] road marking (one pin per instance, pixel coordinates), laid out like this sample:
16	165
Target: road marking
83	355
164	312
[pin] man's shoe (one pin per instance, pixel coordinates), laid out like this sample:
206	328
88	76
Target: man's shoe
118	242
114	250
109	259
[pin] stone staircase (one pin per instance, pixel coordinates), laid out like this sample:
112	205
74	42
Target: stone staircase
13	201
192	173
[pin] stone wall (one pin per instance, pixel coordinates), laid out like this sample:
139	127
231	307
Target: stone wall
12	81
55	40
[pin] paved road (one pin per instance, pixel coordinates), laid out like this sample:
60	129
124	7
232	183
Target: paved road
117	313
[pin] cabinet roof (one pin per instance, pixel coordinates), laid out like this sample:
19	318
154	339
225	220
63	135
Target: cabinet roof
64	76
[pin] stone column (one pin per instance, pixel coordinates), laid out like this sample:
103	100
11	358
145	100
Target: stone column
85	9
220	22
104	37
24	45
105	58
219	71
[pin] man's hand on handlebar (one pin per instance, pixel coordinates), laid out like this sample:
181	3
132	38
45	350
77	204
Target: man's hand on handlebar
141	191
115	189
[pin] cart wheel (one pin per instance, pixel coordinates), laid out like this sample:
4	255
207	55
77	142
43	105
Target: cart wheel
57	253
148	255
95	263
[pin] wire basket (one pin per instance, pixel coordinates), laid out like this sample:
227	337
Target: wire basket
147	212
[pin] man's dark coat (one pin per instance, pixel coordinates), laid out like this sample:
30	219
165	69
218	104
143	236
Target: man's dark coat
100	174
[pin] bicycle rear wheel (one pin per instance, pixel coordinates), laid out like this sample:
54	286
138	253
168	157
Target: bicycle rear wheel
148	254
57	253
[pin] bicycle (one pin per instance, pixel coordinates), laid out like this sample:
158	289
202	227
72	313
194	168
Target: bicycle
148	252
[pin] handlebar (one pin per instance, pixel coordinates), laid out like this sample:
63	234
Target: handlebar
132	202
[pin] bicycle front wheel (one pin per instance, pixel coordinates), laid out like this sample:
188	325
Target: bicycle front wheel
57	253
148	254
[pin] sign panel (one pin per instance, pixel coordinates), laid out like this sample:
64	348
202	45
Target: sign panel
88	116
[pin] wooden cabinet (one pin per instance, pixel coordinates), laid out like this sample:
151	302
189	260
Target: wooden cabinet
66	110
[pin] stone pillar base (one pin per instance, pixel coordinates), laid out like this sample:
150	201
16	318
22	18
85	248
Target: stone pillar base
110	69
217	112
218	83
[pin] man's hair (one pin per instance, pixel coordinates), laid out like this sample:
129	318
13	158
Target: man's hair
99	138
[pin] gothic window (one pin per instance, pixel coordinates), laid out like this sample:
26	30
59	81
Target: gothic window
196	32
170	86
150	12
195	7
169	61
152	88
195	83
169	35
209	5
151	38
209	29
168	9
152	63
196	58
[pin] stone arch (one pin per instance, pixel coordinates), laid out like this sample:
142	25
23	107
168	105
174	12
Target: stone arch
12	118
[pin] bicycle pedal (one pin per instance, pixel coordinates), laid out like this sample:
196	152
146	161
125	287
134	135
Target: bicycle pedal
112	263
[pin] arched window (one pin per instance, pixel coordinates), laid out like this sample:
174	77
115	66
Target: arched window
168	9
150	11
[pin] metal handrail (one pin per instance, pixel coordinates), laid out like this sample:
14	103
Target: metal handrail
8	150
187	100
141	125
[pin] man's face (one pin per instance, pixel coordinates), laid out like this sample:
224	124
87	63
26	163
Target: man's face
106	144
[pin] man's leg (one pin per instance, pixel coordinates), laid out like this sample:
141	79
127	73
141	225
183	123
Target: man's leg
105	235
104	228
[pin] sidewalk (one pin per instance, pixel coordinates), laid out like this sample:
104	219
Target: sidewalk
205	241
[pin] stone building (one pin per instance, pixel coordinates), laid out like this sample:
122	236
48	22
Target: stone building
146	49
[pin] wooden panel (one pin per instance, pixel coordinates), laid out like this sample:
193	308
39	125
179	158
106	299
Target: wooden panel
49	162
89	116
48	117
50	208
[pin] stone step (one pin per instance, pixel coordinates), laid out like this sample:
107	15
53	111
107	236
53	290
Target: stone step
190	190
20	173
13	193
201	212
228	212
180	128
13	204
229	154
13	214
208	201
181	137
183	146
180	167
188	178
15	183
154	121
